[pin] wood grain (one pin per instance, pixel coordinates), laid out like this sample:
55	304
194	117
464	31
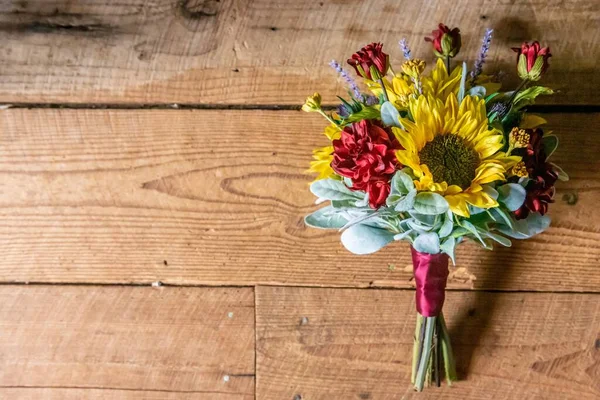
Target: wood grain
264	51
357	344
89	342
218	197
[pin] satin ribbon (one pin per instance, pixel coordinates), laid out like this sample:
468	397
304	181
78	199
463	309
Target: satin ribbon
431	274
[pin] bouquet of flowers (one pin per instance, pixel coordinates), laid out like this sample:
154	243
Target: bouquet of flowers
434	158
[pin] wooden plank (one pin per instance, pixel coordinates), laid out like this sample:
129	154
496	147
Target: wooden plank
89	342
263	51
357	344
218	197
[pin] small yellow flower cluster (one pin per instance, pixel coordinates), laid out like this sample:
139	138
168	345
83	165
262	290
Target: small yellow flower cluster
520	170
518	138
413	68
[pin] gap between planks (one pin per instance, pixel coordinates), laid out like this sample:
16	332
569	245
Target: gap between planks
541	108
345	287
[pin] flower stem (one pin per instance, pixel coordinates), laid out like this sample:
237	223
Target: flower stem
328	118
517	90
424	361
448	356
385	95
448	65
419	332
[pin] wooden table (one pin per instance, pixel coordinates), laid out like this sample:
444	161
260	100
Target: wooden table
152	194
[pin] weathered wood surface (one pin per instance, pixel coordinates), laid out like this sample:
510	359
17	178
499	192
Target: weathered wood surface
218	197
357	344
88	342
264	51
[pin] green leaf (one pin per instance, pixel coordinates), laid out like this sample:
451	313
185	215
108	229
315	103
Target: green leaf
363	239
500	239
550	143
325	218
331	189
427	243
562	175
425	219
527	97
448	247
368	112
512	195
402	183
501	216
430	203
390	115
407	202
473	230
463	82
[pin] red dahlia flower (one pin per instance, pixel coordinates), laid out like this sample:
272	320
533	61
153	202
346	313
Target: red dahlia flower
370	62
446	41
532	60
540	189
365	153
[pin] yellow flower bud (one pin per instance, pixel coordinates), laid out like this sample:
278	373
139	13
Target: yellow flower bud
518	138
520	170
413	68
312	103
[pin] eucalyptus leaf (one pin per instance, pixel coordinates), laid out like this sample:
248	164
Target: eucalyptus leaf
430	203
448	247
325	218
425	219
525	228
550	143
427	243
403	235
362	239
417	226
478	91
331	189
500	215
512	195
390	115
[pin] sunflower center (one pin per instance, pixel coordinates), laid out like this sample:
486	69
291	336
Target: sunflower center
450	158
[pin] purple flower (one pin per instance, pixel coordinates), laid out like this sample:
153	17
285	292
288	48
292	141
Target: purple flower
405	49
347	78
485	47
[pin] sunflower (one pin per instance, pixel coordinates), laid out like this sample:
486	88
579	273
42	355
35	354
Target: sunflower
451	150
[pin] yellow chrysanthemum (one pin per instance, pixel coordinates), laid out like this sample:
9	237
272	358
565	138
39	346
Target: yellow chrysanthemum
451	150
321	164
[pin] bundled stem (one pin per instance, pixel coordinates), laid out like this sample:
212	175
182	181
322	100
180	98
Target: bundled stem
432	349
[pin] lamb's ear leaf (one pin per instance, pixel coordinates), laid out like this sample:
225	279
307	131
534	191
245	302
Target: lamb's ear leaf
427	243
363	239
326	218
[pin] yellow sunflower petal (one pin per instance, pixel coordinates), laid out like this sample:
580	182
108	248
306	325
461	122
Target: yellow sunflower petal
458	205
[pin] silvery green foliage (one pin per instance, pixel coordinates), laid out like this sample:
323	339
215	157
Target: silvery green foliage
423	219
390	115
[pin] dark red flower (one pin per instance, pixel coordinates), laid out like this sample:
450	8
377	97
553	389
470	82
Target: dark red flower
370	60
539	195
446	41
540	189
528	65
365	153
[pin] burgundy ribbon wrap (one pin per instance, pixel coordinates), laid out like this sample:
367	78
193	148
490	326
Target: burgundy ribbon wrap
431	274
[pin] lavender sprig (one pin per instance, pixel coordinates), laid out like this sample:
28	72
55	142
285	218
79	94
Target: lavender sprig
347	78
405	49
485	47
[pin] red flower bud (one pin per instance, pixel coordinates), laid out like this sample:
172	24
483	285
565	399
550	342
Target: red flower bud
532	60
446	42
370	62
365	153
